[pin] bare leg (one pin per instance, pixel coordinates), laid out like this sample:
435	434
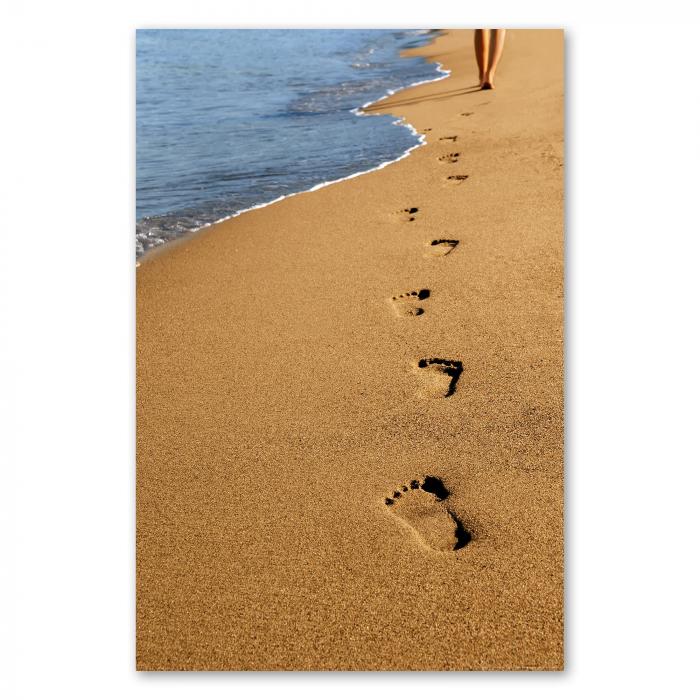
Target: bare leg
495	49
481	48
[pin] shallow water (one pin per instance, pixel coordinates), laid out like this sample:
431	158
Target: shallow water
229	119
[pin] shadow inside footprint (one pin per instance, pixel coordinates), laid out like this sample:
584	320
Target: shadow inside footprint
420	504
439	376
463	535
433	485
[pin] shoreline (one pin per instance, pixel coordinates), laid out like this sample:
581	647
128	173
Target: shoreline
300	365
358	111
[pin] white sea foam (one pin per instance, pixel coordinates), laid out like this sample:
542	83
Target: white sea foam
360	113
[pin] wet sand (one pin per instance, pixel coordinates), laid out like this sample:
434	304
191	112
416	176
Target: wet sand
301	364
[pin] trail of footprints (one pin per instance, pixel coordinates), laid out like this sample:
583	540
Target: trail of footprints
422	504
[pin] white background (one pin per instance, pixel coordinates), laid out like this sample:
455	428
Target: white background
67	347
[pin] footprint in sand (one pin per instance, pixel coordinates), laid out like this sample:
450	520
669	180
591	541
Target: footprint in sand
448	138
439	377
405	304
449	158
457	178
420	504
467	114
441	246
408	214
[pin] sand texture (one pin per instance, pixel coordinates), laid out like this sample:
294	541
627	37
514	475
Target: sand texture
350	403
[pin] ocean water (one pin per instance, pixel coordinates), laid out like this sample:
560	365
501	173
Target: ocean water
230	119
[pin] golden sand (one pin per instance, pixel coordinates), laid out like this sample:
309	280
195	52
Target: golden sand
301	365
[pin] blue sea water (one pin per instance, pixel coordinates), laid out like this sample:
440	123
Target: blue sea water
228	119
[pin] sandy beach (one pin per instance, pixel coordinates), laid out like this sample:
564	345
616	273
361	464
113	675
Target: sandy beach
350	403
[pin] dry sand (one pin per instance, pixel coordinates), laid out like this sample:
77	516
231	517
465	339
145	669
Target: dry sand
283	396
